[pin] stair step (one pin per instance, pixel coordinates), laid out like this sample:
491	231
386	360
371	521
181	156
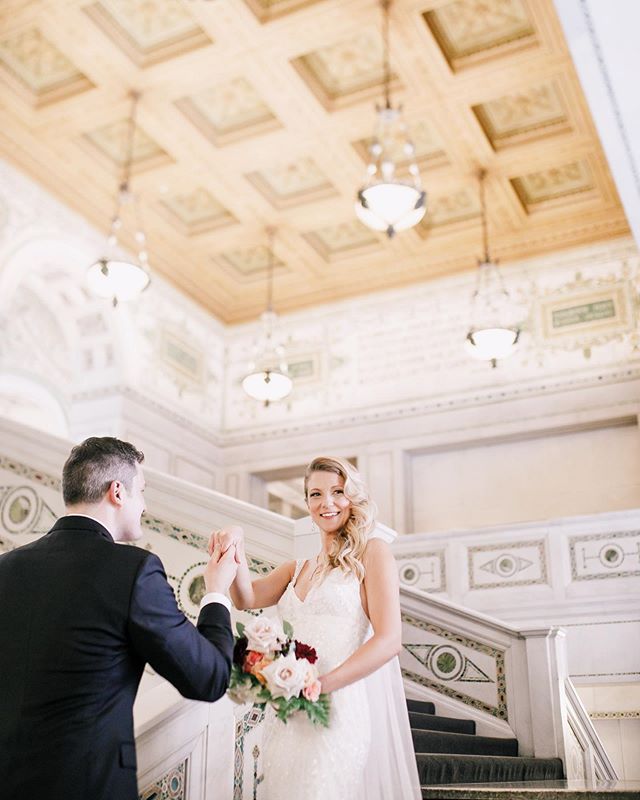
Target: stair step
429	741
433	722
534	790
438	769
421	706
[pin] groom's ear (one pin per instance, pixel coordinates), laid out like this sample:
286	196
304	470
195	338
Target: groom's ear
116	493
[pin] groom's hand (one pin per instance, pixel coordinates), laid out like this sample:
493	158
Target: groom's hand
233	536
221	570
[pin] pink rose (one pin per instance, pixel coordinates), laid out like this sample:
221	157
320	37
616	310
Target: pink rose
312	692
311	676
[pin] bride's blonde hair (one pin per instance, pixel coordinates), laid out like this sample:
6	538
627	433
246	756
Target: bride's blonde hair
347	549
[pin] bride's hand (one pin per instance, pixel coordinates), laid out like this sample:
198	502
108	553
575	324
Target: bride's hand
233	536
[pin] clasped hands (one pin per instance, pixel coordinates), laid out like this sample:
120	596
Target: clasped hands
226	551
225	538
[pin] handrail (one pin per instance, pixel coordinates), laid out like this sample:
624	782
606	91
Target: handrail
590	759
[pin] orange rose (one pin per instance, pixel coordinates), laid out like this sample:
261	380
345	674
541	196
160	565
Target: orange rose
250	659
254	663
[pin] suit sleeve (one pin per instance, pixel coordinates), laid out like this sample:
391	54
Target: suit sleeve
196	662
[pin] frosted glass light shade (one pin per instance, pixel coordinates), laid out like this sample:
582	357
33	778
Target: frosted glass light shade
117	279
492	344
390	206
267	385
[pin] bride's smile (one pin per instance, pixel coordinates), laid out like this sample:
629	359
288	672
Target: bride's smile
328	505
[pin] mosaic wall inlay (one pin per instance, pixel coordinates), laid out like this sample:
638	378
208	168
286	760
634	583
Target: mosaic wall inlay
447	663
477	679
171	786
509	564
605	555
614	714
189	589
244	726
23	511
11	465
425	571
197	540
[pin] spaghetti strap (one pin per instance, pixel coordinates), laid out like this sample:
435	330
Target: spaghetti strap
299	564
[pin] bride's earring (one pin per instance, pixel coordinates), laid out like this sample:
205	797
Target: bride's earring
314	527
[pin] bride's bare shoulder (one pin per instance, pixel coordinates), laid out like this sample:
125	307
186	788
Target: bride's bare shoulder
376	551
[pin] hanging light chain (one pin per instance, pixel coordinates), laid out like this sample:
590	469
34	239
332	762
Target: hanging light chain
271	233
268	379
113	275
386	64
388	201
126	172
482	174
489	338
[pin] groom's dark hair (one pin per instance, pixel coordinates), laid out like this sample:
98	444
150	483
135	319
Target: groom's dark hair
94	464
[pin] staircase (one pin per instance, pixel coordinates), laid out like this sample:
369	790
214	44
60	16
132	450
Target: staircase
448	751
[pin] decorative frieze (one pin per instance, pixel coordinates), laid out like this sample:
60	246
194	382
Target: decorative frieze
615	714
511	564
423	570
23	511
244	728
605	556
24	471
454	665
171	786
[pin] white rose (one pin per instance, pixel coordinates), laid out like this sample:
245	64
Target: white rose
244	693
285	676
264	635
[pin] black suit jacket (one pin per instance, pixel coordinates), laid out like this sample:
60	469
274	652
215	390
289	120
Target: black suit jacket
79	618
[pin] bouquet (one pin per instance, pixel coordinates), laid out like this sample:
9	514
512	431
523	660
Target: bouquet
271	667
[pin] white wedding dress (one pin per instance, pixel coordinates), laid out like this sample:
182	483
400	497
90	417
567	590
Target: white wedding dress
366	753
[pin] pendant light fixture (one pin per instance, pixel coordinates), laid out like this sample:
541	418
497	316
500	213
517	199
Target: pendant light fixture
386	202
116	275
268	378
489	339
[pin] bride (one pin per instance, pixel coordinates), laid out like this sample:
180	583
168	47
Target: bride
345	603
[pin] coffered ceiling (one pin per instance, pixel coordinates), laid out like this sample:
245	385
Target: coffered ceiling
258	112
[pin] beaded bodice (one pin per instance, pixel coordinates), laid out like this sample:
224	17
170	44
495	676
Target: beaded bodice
330	618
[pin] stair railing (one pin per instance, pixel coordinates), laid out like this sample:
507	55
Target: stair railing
513	683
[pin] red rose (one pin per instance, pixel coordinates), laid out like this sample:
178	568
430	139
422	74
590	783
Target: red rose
240	650
304	651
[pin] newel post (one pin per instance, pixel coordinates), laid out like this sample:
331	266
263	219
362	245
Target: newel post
547	671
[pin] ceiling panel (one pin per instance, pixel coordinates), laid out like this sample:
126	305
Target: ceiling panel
257	113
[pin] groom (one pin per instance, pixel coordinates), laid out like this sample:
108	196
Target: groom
79	618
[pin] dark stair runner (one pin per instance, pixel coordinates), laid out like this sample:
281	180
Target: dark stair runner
449	751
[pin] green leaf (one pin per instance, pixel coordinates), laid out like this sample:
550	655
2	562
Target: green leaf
264	694
287	627
240	628
318	712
